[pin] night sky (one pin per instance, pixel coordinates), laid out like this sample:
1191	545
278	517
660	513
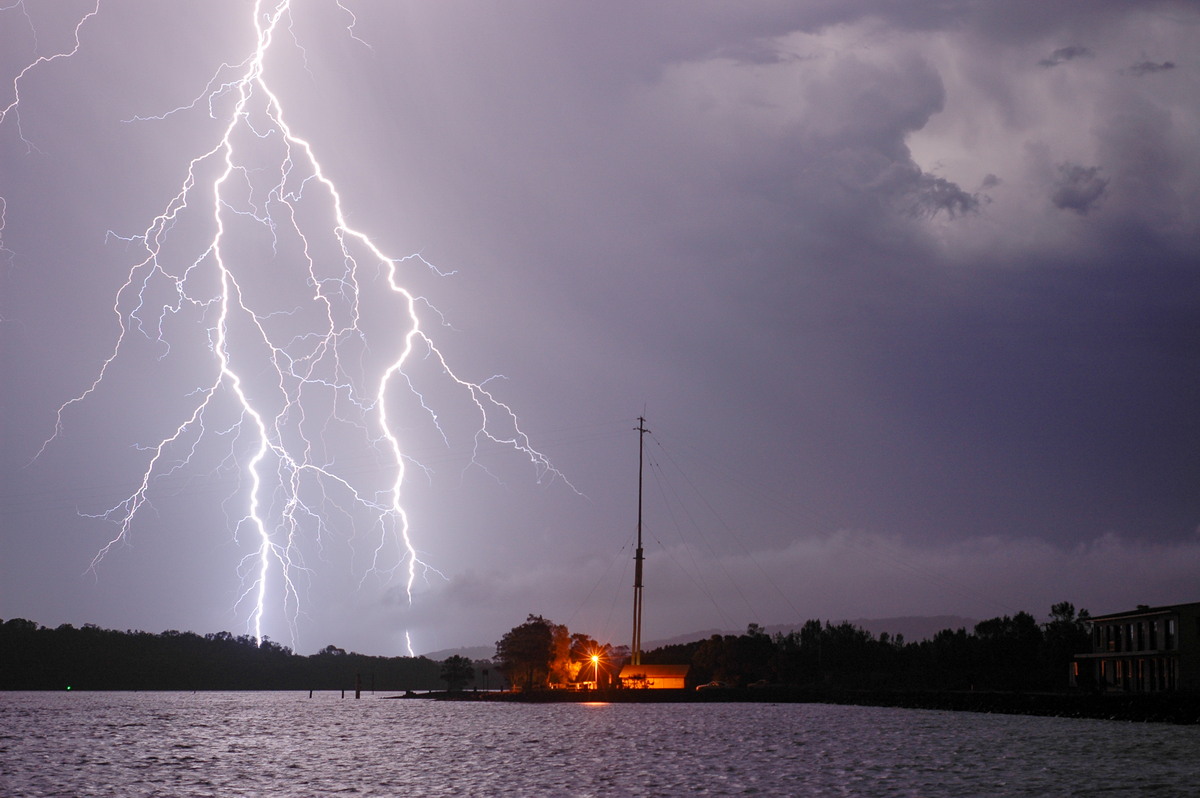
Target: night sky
908	293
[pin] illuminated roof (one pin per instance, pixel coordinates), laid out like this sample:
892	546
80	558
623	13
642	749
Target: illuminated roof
655	671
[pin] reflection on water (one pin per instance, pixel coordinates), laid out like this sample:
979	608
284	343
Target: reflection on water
285	744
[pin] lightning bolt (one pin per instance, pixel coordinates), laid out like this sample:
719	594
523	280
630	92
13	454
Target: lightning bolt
287	303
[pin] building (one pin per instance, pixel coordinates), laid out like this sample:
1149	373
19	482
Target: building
1147	650
655	677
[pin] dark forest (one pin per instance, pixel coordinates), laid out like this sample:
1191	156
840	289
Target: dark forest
1008	653
91	658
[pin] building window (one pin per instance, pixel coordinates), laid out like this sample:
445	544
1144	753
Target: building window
1153	635
1169	635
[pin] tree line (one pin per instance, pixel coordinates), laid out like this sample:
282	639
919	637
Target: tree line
33	657
1006	653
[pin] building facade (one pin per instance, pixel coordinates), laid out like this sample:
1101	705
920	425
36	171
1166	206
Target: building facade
1146	650
655	677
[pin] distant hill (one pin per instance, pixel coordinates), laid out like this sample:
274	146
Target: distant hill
915	628
473	653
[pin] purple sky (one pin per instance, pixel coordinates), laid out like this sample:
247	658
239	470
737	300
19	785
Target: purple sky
909	294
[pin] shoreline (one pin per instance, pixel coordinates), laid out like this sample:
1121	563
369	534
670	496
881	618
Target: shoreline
1172	708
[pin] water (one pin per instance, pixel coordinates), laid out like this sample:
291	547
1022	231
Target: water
285	744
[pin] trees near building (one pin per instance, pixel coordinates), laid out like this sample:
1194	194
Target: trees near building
593	662
540	653
561	673
1064	635
1009	653
525	653
736	660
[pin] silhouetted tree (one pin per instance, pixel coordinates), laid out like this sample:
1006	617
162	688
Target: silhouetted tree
1009	653
457	671
561	671
944	662
1065	635
745	658
526	652
787	664
708	661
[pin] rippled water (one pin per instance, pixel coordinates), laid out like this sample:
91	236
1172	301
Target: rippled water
285	744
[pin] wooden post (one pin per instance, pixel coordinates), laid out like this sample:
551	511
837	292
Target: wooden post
357	686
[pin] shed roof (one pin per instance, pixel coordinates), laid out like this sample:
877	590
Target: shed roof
655	671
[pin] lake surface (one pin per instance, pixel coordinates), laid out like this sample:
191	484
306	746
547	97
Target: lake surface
286	744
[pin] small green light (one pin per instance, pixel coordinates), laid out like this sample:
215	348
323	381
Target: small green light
68	687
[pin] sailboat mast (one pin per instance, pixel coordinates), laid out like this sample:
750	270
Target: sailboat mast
636	654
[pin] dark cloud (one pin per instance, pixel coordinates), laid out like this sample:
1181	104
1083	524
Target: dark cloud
1064	54
939	194
1078	188
1149	68
919	193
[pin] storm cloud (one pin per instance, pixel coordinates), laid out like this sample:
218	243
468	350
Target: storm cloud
1065	54
1078	188
1150	67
